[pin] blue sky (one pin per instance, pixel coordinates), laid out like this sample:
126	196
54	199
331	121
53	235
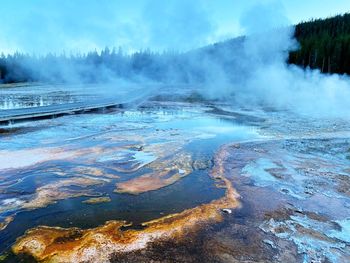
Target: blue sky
41	26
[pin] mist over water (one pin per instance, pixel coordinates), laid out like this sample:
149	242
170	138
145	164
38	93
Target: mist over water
220	152
273	82
248	71
263	77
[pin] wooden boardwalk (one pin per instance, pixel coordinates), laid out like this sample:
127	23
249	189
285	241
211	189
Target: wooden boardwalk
45	112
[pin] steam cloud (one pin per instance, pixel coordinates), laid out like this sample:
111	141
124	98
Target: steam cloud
260	74
251	70
271	81
41	26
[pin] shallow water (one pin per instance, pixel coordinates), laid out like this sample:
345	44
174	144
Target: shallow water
17	96
108	138
292	174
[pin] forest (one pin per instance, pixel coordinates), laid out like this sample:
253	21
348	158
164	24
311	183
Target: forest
324	45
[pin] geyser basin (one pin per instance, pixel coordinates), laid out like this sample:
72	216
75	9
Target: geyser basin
161	177
48	173
18	104
17	96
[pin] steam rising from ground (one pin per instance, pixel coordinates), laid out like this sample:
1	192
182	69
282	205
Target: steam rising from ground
266	79
249	71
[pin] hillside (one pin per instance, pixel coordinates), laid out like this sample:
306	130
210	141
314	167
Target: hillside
324	44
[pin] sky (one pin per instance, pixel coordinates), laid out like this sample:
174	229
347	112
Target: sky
42	26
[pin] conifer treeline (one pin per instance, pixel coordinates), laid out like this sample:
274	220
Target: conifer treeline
324	44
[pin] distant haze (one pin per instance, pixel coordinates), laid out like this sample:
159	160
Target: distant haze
41	26
249	71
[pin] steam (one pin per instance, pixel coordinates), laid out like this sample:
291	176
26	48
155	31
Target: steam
177	24
55	26
274	83
250	70
263	78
